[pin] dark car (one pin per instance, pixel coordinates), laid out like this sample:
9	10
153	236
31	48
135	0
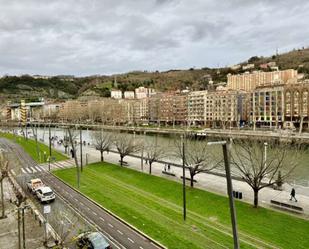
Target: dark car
92	240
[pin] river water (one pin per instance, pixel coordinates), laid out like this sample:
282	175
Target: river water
300	175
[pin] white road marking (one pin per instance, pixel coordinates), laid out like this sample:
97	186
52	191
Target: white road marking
120	232
38	168
22	170
130	240
110	225
42	168
141	247
75	199
102	219
94	213
13	172
80	203
28	170
33	169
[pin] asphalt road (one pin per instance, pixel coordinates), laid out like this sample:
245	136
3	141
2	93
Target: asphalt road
119	234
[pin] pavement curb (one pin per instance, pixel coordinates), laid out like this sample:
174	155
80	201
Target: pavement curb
114	215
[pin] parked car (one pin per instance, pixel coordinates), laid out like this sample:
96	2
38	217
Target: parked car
34	184
92	240
45	194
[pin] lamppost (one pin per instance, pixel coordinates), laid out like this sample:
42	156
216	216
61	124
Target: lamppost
265	153
225	148
184	177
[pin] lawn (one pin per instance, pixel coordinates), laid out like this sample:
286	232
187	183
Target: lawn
154	205
29	146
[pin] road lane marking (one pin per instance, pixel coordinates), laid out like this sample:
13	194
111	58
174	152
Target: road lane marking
94	213
102	219
80	203
130	240
110	225
28	170
33	169
120	232
141	247
22	169
42	168
75	199
13	172
37	168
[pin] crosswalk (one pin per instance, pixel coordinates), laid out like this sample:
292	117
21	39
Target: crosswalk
40	168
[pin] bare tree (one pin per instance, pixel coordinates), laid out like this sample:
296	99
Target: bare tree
260	169
64	223
102	141
72	136
35	135
125	145
4	173
198	157
154	152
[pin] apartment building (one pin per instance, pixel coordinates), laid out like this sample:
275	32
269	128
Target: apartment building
73	110
166	108
267	106
197	107
296	108
154	107
129	95
224	109
116	94
249	81
144	92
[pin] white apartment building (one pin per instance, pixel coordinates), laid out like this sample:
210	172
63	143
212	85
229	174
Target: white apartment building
143	92
129	95
197	107
116	94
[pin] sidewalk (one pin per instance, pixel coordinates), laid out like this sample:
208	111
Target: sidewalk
8	227
213	183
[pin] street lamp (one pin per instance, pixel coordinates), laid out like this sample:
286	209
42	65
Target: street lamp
265	153
183	177
229	189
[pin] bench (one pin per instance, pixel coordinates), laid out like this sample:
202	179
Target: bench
168	173
287	206
189	179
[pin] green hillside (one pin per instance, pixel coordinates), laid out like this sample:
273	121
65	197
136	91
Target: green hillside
64	87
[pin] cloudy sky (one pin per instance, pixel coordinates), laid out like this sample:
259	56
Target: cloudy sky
85	37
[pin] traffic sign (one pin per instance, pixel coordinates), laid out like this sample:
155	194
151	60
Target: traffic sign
46	209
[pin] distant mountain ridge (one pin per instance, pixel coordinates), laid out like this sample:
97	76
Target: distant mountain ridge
64	87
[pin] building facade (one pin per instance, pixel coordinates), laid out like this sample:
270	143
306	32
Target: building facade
197	107
249	81
267	106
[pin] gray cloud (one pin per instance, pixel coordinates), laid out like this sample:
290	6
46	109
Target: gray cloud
84	37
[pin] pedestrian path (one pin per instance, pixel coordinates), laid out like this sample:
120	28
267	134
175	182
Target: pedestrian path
40	168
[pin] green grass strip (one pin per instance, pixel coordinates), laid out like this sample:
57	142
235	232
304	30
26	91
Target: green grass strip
154	205
29	146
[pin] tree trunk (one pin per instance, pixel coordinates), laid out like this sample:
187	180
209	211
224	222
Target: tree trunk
102	159
121	160
256	197
191	180
2	200
150	163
